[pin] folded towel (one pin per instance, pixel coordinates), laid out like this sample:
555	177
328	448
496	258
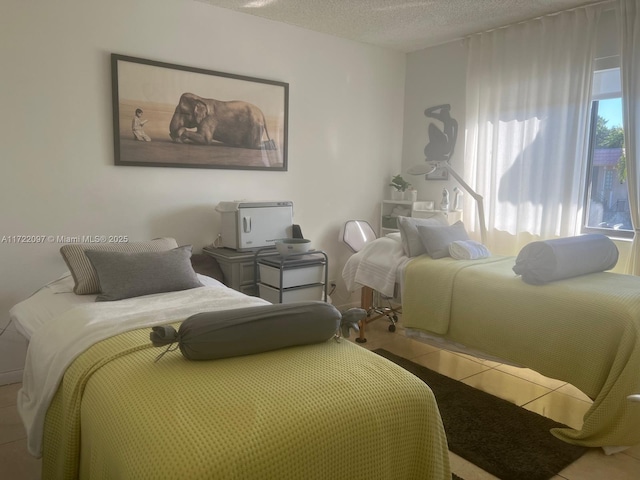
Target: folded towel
468	250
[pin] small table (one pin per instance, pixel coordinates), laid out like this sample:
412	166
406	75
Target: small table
238	267
295	277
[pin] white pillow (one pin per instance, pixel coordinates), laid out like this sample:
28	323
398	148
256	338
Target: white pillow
437	238
408	227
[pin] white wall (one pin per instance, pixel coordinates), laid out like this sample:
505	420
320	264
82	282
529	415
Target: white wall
435	76
56	141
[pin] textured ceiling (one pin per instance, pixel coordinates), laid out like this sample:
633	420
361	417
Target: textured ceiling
403	25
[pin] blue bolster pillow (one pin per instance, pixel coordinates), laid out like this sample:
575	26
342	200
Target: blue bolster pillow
545	261
245	331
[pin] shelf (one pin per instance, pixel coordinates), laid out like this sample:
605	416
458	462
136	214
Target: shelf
389	213
399	202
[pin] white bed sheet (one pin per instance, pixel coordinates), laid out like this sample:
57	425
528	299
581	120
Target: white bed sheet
56	343
379	265
54	299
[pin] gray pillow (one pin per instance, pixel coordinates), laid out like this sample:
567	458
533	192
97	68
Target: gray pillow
436	239
411	242
245	331
84	276
125	275
545	261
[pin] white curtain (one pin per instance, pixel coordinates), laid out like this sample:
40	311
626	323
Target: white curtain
528	106
629	29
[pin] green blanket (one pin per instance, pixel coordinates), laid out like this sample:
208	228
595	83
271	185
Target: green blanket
584	330
325	411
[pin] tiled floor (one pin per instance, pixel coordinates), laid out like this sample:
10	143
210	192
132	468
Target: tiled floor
546	396
15	461
552	398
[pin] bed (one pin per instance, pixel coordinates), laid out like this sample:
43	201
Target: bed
583	330
97	404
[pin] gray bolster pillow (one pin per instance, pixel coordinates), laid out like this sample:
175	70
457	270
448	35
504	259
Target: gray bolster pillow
245	331
549	260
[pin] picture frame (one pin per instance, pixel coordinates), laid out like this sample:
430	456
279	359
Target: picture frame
167	115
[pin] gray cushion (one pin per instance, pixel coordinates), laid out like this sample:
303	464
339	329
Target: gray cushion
411	242
437	238
124	275
560	258
245	331
84	276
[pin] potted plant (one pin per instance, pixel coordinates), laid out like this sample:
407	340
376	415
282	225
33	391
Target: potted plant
400	185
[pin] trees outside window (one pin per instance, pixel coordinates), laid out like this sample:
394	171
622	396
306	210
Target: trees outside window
607	199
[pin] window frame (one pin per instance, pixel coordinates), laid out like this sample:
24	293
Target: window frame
593	126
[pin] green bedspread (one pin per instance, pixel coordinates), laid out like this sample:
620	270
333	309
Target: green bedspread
325	411
584	330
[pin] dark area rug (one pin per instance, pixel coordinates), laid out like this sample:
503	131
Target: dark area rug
503	439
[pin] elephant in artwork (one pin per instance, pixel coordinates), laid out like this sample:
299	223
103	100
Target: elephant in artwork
235	123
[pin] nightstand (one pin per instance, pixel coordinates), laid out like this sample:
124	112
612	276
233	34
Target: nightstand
238	267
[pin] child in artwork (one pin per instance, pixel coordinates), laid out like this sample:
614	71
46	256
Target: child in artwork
137	124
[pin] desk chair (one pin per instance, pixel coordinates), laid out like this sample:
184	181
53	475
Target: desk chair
356	234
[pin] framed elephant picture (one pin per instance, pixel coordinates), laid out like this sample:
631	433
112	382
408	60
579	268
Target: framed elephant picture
167	115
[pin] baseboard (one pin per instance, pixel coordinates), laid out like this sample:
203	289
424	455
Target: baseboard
7	378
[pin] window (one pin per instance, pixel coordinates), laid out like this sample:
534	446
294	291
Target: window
607	198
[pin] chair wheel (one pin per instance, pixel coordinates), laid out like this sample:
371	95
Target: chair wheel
361	340
392	328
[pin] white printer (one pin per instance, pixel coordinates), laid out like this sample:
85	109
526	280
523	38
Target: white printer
248	226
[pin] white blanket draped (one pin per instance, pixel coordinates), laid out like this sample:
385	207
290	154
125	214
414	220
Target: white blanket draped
55	345
378	266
